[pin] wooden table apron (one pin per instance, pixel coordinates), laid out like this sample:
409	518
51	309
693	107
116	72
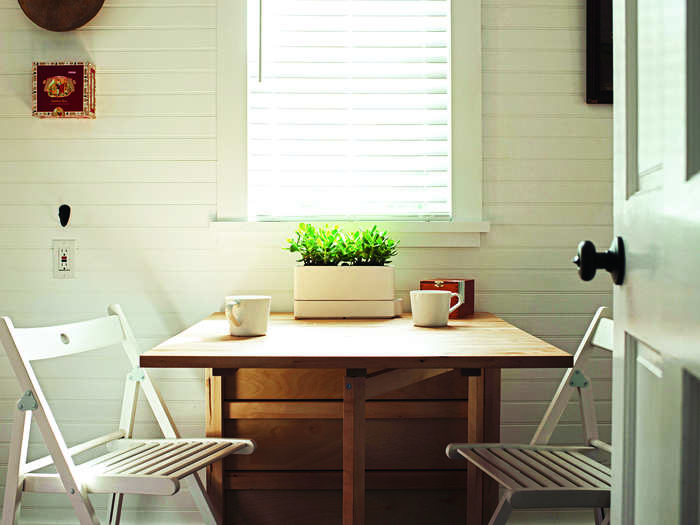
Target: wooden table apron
399	353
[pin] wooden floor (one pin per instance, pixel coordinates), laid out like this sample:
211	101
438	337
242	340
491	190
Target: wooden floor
38	516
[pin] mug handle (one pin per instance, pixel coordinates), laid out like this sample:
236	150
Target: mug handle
230	314
459	302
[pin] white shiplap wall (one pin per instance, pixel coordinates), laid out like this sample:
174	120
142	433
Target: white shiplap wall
142	183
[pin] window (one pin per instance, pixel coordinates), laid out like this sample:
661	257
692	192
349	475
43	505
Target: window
350	117
367	110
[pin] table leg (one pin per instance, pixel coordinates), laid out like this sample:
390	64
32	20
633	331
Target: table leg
475	434
492	434
354	447
215	428
484	426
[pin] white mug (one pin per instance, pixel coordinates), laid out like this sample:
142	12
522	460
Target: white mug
432	307
247	314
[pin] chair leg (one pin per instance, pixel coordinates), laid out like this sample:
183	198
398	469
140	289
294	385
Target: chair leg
117	502
16	461
598	516
11	501
112	503
201	499
500	517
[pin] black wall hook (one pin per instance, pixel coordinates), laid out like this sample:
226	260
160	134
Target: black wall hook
64	214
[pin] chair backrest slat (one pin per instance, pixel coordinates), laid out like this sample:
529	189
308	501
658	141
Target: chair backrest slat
62	340
604	335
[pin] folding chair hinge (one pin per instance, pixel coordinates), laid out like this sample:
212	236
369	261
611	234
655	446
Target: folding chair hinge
578	380
27	402
136	375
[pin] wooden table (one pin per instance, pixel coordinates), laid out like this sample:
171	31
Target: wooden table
378	356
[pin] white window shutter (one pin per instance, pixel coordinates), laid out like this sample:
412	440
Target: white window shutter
352	117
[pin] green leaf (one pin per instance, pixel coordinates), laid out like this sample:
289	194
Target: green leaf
330	246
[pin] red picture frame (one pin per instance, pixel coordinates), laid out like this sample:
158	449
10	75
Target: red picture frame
63	90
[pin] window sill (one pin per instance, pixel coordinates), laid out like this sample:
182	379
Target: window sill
412	234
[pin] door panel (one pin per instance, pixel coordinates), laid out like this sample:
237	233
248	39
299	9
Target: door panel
693	88
656	398
650	99
650	436
650	489
690	495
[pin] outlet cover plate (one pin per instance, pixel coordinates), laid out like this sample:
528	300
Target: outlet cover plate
63	254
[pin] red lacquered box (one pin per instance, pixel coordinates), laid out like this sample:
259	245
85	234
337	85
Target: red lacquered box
63	90
463	287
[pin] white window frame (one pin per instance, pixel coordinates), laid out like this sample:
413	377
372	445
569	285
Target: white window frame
466	125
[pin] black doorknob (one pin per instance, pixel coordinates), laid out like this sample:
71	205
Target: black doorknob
589	260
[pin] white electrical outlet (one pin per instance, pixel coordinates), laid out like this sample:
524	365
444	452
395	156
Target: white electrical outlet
64	258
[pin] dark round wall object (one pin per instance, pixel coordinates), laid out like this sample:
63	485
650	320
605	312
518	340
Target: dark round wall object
65	15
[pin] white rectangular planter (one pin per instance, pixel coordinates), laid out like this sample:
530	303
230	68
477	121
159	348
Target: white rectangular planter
344	283
344	291
347	309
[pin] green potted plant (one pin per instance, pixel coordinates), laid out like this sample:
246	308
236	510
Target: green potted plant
343	274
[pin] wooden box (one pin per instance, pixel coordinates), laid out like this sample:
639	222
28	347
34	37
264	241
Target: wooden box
63	90
463	287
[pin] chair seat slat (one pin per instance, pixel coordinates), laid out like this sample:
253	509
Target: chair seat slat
75	450
507	456
174	456
585	467
121	466
537	455
490	469
541	468
507	468
194	467
162	458
593	463
212	448
563	463
115	456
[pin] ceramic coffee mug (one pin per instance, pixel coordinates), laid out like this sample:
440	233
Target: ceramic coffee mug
248	314
432	307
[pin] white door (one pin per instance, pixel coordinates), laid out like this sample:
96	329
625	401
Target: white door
656	363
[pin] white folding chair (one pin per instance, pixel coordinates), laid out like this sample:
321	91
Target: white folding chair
541	476
131	466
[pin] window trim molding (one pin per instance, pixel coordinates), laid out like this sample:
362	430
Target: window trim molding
466	115
411	234
395	226
231	99
466	137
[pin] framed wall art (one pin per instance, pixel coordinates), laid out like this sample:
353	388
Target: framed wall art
63	90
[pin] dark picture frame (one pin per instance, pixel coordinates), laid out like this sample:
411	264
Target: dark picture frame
599	52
